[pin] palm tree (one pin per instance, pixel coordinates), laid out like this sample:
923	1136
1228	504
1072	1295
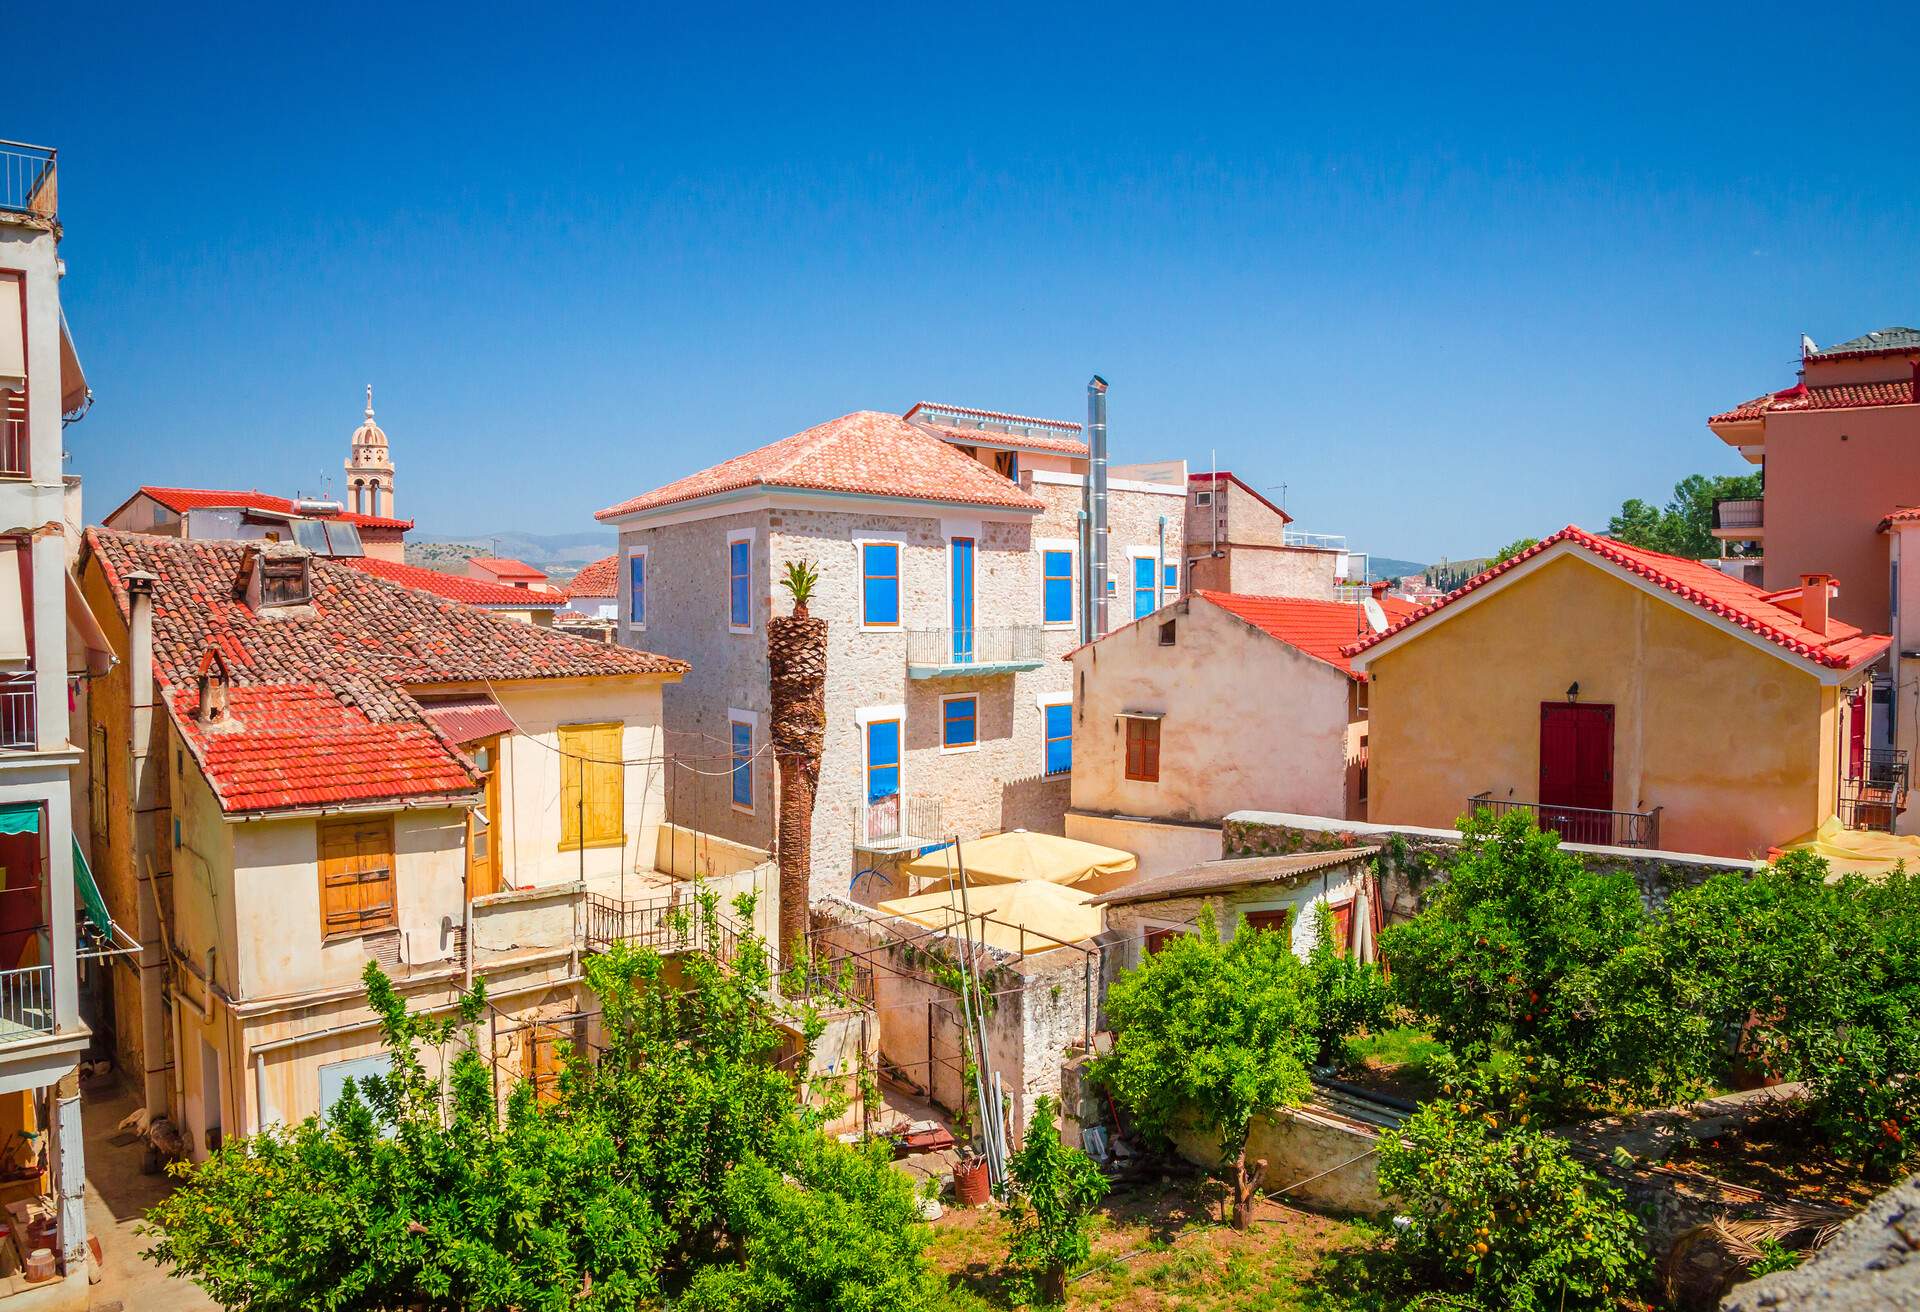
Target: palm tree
797	663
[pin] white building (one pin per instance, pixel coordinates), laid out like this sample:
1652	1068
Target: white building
41	1034
950	547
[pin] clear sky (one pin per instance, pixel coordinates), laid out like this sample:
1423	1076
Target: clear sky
1450	277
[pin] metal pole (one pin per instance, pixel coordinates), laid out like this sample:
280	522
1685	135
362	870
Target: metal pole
1097	450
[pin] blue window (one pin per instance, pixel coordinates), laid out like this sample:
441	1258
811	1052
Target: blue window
1056	569
883	759
1172	578
879	583
637	589
959	722
1059	739
1142	586
334	1076
742	735
739	574
962	587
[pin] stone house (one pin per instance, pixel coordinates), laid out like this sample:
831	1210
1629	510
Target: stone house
301	767
1237	541
949	547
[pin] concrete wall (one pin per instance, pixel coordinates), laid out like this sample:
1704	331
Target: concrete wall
1736	746
1270	571
1161	848
1246	717
1322	1160
1128	924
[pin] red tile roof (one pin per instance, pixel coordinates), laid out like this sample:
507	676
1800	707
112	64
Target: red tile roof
864	452
1842	647
1321	629
600	579
993	416
182	499
1840	396
321	707
988	437
1904	515
506	567
468	719
455	587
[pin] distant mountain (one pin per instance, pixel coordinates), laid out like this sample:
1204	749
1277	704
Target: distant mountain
560	554
1388	567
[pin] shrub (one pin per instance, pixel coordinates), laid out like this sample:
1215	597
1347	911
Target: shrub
1057	1188
1349	995
1209	1035
1500	1211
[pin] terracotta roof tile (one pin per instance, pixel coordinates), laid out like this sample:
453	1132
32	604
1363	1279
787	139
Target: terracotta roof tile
1839	396
454	587
599	579
1321	629
865	452
1842	647
182	499
321	708
506	567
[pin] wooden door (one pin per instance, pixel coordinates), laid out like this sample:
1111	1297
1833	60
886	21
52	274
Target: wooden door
546	1043
1343	928
1576	771
1857	734
483	840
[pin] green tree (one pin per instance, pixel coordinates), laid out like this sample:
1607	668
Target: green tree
1507	952
1050	1208
1502	1212
680	1168
1511	550
1208	1036
1349	995
1685	526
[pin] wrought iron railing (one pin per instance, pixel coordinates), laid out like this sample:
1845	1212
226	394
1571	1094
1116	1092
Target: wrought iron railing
19	727
662	924
1736	513
1581	824
941	648
27	179
16	452
26	1001
897	824
1876	791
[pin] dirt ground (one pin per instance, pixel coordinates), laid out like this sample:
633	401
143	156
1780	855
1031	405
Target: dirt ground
118	1195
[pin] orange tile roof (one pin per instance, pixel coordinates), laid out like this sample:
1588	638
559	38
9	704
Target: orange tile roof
182	499
863	452
1839	396
1842	647
1321	629
506	567
455	587
1904	515
322	707
600	579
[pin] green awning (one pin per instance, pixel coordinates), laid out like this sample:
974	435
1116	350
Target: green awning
19	818
89	892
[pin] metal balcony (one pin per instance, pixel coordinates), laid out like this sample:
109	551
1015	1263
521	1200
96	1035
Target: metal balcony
953	653
19	729
26	1002
1580	824
28	180
1872	795
1740	519
897	824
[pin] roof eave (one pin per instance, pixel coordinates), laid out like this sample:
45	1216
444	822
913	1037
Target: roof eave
731	496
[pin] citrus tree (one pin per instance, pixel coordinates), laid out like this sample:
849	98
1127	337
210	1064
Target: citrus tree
1050	1208
1207	1036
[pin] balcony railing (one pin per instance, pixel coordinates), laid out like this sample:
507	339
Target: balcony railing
898	824
661	924
933	653
1872	795
26	1002
19	730
27	179
1739	514
1580	824
16	452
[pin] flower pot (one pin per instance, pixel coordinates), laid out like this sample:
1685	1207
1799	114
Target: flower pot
972	1187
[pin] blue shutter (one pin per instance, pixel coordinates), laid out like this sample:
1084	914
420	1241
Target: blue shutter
742	764
1172	574
1142	586
1059	731
739	563
880	583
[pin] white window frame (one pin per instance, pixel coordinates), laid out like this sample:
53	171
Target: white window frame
748	536
1042	701
973	746
625	602
1159	591
752	720
866	715
1204	498
1072	548
860	545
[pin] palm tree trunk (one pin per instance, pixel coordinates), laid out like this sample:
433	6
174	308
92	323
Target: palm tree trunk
799	780
797	666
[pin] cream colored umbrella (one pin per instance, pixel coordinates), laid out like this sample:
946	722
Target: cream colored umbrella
1020	854
997	914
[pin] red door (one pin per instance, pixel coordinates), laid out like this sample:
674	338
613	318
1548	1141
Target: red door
1576	771
1857	734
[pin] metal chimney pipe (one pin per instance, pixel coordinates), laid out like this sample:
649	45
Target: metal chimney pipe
1097	450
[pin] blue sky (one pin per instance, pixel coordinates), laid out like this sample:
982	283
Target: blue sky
1451	278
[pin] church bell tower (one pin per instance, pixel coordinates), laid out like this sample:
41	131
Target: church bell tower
370	468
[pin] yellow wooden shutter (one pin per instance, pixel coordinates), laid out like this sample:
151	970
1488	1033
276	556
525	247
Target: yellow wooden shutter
356	875
592	785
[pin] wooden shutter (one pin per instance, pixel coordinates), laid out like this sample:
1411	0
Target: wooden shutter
543	1060
1279	922
1143	750
592	785
1343	928
356	875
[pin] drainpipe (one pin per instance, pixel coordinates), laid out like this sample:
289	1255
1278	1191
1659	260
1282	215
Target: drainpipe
139	667
1160	567
1097	448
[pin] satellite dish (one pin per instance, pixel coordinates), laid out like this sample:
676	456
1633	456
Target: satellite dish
1376	617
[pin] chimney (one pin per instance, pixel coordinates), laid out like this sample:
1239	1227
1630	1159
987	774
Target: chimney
1097	497
213	689
1379	588
276	580
1814	597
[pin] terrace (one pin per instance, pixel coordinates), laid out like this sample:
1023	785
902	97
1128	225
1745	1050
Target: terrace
28	180
955	653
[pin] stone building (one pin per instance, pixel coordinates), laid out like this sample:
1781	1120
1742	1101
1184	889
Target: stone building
949	546
1237	541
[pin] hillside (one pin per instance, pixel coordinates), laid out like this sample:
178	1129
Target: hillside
560	554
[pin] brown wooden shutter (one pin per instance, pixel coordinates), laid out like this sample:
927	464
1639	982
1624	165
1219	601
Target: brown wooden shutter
356	875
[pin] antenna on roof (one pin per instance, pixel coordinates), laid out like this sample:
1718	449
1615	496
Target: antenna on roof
1807	346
